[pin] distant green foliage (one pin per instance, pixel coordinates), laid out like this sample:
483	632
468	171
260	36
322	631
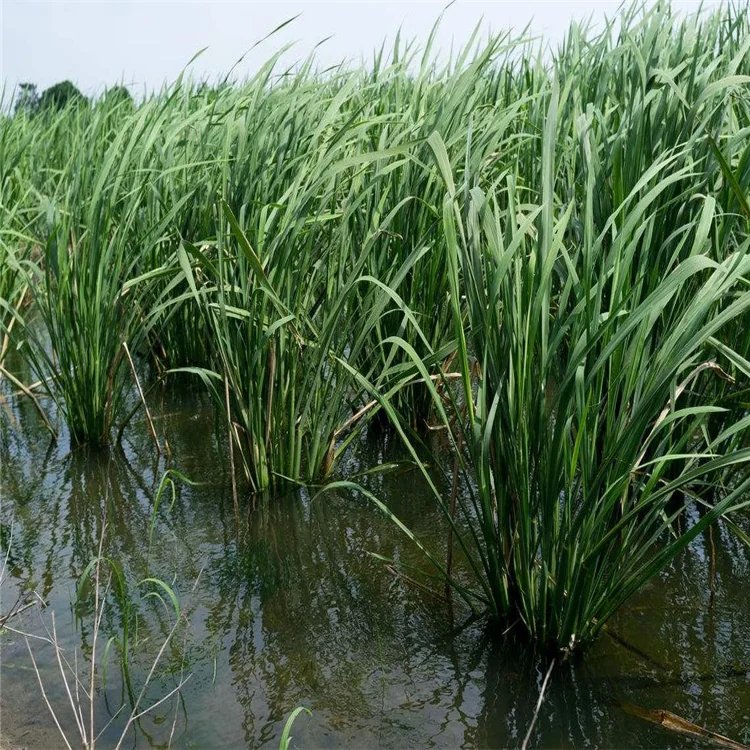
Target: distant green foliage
27	98
117	95
61	95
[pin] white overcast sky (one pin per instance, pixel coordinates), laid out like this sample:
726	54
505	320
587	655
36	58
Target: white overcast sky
144	43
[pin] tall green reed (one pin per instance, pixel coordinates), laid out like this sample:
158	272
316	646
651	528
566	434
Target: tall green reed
90	237
578	444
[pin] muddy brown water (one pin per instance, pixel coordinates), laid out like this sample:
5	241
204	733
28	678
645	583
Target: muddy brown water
283	605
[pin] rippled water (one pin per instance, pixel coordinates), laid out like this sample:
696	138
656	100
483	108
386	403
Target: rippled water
284	605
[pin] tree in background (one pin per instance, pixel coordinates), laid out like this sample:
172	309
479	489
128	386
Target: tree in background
27	99
60	95
117	95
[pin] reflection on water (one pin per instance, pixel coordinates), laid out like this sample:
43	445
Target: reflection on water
285	607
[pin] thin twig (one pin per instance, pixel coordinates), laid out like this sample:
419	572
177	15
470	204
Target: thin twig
681	726
231	445
640	653
411	581
177	699
355	417
26	392
30	387
134	715
538	705
97	621
15	611
161	700
66	684
150	421
110	722
11	629
77	683
367	407
7	554
44	695
453	502
73	668
712	566
125	422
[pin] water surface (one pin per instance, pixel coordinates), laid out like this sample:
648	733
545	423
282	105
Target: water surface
283	605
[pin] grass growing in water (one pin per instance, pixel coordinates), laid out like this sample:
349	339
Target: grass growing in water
571	235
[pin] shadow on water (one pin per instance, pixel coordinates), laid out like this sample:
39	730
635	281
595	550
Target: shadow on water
284	606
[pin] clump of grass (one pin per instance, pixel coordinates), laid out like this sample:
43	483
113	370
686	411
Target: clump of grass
598	306
13	291
90	238
13	242
584	437
280	328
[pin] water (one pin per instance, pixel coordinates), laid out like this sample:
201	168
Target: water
283	605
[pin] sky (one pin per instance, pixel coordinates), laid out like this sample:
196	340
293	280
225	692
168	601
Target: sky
145	43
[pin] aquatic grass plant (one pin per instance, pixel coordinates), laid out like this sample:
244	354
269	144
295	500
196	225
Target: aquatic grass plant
13	292
460	99
84	677
14	245
582	432
285	740
90	240
600	299
279	328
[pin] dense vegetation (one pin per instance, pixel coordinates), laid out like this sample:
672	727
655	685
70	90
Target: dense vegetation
544	262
